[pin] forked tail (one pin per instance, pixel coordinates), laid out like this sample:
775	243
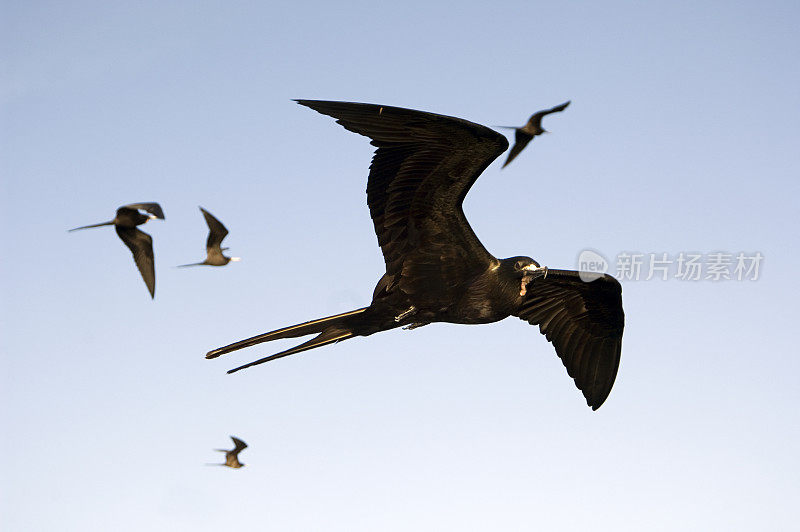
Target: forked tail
330	330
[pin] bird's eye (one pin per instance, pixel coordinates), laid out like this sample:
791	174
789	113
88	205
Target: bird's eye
519	265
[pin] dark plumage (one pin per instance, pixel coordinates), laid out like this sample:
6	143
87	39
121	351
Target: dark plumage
523	135
232	456
139	242
216	234
438	270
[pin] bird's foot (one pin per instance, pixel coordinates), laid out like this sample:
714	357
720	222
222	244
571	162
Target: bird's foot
533	274
412	309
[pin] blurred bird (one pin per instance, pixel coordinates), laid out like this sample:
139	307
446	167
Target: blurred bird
216	234
438	270
525	134
139	242
232	456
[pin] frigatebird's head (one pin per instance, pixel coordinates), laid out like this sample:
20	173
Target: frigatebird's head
231	259
521	265
525	270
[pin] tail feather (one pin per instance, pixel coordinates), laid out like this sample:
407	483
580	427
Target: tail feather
329	336
90	226
301	329
329	330
192	264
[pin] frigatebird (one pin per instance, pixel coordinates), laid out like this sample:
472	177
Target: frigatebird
139	242
216	234
232	456
436	268
523	135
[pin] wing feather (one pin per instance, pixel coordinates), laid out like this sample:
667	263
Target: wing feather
141	246
151	207
521	139
238	444
216	231
584	322
422	169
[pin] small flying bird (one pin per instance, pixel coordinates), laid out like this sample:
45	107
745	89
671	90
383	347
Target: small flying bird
232	456
525	134
436	268
139	242
216	234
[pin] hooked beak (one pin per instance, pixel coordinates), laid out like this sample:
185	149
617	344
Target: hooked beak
535	271
236	259
532	272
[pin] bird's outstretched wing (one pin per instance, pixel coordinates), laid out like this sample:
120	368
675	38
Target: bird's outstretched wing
422	169
521	139
152	208
141	245
239	445
584	321
216	231
536	118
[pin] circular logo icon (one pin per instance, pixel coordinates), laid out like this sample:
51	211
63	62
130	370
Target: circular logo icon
591	265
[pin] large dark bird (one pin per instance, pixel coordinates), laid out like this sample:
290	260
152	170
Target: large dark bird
523	135
216	234
438	270
232	456
139	242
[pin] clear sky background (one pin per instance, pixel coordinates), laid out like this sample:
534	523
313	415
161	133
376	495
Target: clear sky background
682	136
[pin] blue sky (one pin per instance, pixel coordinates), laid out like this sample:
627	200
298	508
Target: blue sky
682	136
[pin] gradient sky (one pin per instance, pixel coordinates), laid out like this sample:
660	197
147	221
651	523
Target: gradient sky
682	136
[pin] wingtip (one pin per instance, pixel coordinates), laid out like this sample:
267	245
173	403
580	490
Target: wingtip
597	402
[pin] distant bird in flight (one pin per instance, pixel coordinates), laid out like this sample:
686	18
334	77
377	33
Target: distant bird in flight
525	134
139	242
438	270
232	456
216	234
